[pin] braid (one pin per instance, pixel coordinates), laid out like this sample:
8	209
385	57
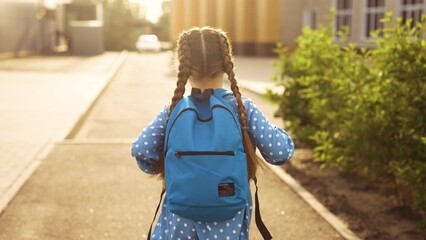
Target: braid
184	56
228	68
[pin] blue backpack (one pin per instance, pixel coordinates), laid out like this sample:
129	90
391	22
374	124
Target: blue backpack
205	163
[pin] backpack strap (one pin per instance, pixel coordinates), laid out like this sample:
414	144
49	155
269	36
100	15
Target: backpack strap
156	211
259	222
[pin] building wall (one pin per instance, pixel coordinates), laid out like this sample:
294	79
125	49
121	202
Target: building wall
225	17
252	25
255	26
207	12
358	26
322	9
357	22
178	19
295	12
245	27
290	21
19	28
268	28
192	6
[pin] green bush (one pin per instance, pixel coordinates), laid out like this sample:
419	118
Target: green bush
363	111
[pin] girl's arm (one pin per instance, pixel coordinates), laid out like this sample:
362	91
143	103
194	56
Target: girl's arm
148	147
275	144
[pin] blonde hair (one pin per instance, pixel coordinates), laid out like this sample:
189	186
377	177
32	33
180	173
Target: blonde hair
207	52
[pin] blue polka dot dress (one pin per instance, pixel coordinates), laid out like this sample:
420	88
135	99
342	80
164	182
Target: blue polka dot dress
275	145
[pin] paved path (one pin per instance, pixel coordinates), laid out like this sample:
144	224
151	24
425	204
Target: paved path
90	188
40	100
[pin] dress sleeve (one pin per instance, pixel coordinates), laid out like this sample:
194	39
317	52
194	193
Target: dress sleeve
148	147
275	144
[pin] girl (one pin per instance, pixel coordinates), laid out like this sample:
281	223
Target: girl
204	56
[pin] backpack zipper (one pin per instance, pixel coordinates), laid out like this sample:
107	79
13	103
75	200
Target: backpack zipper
199	153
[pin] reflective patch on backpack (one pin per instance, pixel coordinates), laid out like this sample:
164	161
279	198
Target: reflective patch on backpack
226	189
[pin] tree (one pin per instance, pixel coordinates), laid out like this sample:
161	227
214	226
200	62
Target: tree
119	31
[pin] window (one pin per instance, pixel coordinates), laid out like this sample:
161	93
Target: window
343	14
375	10
411	9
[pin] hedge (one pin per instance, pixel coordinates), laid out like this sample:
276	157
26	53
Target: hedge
361	110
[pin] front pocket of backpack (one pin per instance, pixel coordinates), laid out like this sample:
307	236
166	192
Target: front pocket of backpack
205	180
202	173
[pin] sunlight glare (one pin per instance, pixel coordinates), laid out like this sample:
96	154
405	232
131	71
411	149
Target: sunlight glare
153	8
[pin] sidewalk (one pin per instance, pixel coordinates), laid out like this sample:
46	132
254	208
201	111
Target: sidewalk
255	74
40	100
90	187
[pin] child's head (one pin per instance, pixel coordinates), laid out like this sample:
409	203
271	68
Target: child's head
203	54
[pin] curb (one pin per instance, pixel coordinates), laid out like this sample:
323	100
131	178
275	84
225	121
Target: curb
260	88
44	151
23	176
332	219
110	75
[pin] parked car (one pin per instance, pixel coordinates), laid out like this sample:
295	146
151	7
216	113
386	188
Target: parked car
148	42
